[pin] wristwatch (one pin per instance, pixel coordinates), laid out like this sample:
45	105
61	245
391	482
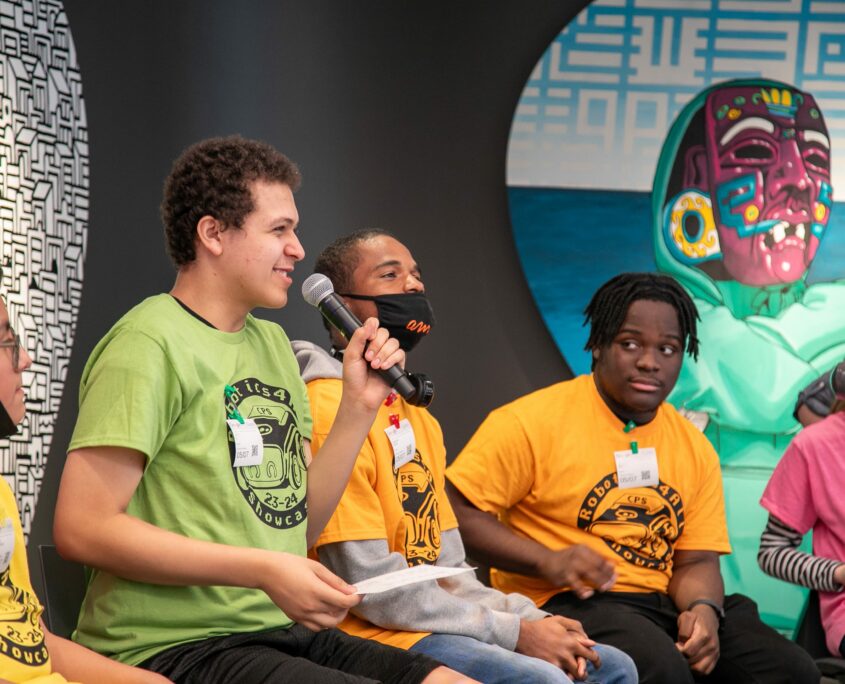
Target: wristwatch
720	612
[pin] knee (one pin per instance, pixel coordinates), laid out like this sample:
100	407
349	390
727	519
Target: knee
617	667
798	666
664	666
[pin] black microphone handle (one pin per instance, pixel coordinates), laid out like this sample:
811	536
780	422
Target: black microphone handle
339	315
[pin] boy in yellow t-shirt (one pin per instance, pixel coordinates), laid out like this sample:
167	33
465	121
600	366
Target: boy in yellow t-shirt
602	503
28	651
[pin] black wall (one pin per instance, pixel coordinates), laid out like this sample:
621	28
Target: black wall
398	114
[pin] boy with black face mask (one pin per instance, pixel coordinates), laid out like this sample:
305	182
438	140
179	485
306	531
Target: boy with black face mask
394	512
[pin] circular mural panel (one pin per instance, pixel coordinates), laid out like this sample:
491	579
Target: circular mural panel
43	219
595	112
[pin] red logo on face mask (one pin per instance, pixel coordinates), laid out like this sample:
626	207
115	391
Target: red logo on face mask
418	327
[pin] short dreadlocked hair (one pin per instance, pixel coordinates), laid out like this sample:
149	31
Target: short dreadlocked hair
213	178
339	260
607	309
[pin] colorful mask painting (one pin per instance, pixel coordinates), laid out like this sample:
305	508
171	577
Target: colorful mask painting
756	190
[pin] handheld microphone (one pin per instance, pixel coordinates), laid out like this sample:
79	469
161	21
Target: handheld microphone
318	291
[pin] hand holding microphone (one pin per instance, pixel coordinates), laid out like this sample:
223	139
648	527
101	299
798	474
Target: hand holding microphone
318	291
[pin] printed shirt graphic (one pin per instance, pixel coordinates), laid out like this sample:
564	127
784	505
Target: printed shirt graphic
544	463
275	488
408	507
23	652
157	383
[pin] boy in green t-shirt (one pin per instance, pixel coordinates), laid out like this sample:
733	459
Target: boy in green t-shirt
189	485
29	652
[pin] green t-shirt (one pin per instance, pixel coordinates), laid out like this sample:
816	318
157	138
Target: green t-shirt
156	383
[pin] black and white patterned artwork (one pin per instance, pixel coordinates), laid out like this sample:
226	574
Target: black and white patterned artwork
43	219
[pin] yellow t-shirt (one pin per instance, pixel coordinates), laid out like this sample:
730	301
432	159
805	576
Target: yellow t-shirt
23	652
545	465
407	507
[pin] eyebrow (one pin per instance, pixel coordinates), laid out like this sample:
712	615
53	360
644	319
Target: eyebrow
817	136
396	262
638	331
283	220
751	122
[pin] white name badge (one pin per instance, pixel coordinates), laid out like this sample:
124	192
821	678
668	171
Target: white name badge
636	470
403	442
249	447
7	544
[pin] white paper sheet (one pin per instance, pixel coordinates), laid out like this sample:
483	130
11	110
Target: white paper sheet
399	578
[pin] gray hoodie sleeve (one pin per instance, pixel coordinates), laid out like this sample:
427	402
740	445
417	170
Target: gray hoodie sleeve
453	605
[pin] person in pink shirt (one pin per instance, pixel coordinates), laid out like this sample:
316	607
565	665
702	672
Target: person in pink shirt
804	493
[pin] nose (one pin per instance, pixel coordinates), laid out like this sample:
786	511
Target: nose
414	283
788	173
24	360
294	248
647	360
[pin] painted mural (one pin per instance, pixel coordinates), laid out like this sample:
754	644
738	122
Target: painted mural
43	220
695	138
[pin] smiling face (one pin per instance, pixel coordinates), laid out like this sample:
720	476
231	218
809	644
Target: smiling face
638	369
259	258
768	176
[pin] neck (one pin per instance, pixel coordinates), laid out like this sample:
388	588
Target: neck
624	413
207	295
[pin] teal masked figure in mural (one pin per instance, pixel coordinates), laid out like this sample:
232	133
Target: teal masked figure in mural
742	198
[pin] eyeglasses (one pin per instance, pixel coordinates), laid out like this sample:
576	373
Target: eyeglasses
15	345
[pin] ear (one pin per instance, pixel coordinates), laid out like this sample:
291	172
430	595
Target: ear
695	168
209	234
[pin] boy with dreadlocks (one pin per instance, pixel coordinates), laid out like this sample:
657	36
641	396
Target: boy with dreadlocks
599	501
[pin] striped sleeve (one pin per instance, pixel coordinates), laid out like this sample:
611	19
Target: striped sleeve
779	556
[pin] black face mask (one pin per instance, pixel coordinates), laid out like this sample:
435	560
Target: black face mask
7	425
408	316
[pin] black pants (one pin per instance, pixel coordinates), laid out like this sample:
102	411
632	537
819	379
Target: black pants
645	626
290	655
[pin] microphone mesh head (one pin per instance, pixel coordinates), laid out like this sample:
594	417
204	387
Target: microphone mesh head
315	288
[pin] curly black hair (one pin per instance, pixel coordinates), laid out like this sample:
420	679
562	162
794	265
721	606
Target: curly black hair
607	309
212	178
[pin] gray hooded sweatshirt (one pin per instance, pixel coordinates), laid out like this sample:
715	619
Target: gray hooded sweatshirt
459	605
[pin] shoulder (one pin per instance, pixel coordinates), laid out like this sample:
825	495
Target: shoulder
8	504
682	428
534	403
324	392
151	315
151	323
821	437
267	329
141	330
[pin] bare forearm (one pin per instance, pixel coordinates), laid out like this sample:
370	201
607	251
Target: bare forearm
78	664
696	578
329	474
492	542
128	547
